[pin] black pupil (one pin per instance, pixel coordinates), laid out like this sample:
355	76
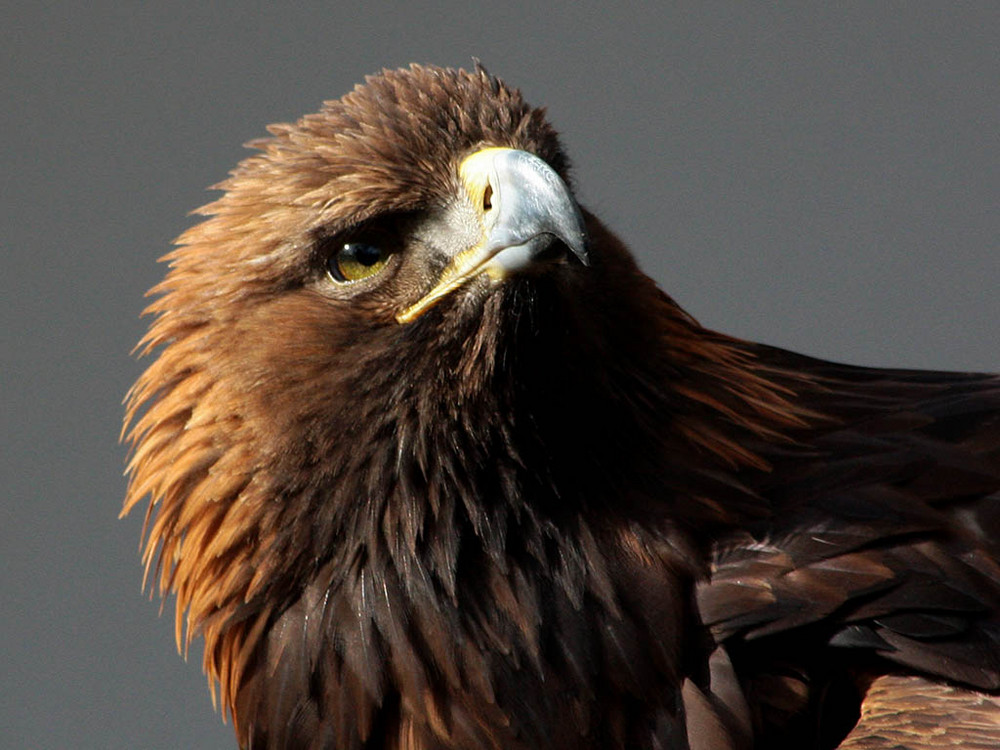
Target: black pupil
363	253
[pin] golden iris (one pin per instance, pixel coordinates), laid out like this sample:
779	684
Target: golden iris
357	260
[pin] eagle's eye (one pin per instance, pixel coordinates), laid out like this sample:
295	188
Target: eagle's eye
356	260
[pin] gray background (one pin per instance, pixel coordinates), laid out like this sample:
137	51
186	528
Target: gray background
823	179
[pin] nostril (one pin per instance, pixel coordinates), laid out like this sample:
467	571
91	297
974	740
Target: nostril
488	197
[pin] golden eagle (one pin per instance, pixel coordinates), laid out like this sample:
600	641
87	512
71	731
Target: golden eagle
432	464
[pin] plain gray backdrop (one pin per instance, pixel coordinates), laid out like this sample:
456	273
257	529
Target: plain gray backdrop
819	178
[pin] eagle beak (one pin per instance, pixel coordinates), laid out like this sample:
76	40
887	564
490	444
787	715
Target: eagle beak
523	207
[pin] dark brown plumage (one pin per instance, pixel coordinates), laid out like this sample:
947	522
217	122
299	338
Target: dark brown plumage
436	466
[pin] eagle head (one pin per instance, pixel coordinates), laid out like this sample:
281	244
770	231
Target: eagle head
404	418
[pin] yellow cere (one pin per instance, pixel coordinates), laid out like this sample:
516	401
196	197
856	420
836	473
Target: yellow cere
474	172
